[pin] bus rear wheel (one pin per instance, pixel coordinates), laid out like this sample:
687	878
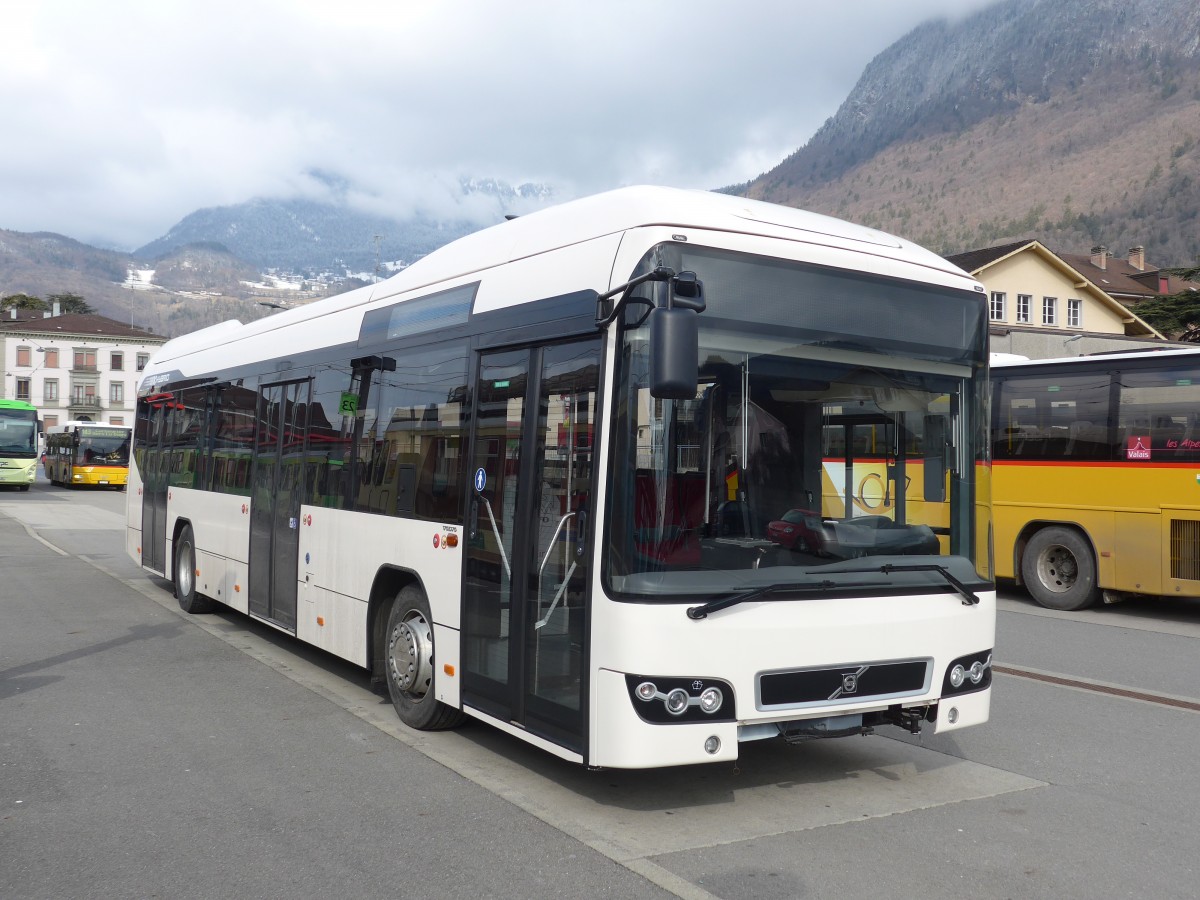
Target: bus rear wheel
409	664
185	575
1059	569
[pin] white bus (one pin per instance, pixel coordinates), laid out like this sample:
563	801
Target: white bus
539	478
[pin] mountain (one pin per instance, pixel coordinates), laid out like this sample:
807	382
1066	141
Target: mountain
207	268
189	289
1074	121
314	236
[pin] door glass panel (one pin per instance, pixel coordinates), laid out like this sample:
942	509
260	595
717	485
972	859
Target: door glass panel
266	452
275	510
499	421
560	557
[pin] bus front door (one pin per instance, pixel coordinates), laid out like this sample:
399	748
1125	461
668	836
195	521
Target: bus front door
275	501
528	553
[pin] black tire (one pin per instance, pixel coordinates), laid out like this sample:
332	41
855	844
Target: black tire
408	662
185	575
1059	569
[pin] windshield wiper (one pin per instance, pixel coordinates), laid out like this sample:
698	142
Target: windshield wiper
970	598
702	611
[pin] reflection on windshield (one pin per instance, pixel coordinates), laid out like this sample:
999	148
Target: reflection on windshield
18	434
796	460
103	450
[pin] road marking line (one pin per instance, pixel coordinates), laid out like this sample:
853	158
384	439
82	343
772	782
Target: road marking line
1099	687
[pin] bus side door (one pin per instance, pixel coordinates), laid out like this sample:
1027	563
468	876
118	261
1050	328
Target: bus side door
527	551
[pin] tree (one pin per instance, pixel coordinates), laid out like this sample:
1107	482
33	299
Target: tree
71	303
23	301
1179	313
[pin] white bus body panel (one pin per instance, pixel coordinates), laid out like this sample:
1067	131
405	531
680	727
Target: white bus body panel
221	527
738	643
336	575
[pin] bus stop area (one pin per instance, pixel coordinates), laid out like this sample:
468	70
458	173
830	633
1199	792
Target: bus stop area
143	752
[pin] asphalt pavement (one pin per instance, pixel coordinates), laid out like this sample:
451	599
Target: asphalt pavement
146	753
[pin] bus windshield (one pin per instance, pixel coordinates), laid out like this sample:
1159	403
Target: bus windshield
103	446
18	433
832	440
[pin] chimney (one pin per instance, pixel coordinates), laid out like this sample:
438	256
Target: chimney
12	312
1100	257
1137	258
58	305
1164	284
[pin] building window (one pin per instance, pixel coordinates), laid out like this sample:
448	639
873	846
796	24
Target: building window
49	422
1074	313
51	358
1024	302
118	361
85	358
50	390
116	392
23	389
117	420
999	299
23	356
1049	310
142	359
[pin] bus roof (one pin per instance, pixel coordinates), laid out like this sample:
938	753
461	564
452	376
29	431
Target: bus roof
574	223
1002	360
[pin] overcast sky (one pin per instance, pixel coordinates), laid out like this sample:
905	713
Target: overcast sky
121	117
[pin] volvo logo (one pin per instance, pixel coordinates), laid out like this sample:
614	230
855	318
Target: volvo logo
849	683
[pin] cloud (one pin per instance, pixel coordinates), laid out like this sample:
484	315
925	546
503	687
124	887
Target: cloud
130	114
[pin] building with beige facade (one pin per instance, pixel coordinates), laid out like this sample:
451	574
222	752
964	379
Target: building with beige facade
1041	306
73	367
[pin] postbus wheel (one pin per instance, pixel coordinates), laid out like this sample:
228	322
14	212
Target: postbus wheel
1059	569
185	575
409	664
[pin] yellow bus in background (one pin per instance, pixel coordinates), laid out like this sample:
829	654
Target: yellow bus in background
1096	476
88	453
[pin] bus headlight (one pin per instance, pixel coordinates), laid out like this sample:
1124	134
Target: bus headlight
646	691
672	700
968	673
677	702
710	700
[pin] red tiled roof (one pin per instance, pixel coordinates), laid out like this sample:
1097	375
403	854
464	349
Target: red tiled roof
75	323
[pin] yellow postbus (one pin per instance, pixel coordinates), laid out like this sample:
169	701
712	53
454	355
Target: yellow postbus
1096	476
88	453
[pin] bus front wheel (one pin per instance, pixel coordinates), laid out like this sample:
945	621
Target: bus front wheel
185	575
1059	569
409	663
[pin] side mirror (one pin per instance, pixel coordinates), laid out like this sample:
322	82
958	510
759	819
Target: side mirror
674	354
687	292
675	340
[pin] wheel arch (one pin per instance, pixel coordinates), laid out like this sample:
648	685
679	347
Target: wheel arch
180	523
388	582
